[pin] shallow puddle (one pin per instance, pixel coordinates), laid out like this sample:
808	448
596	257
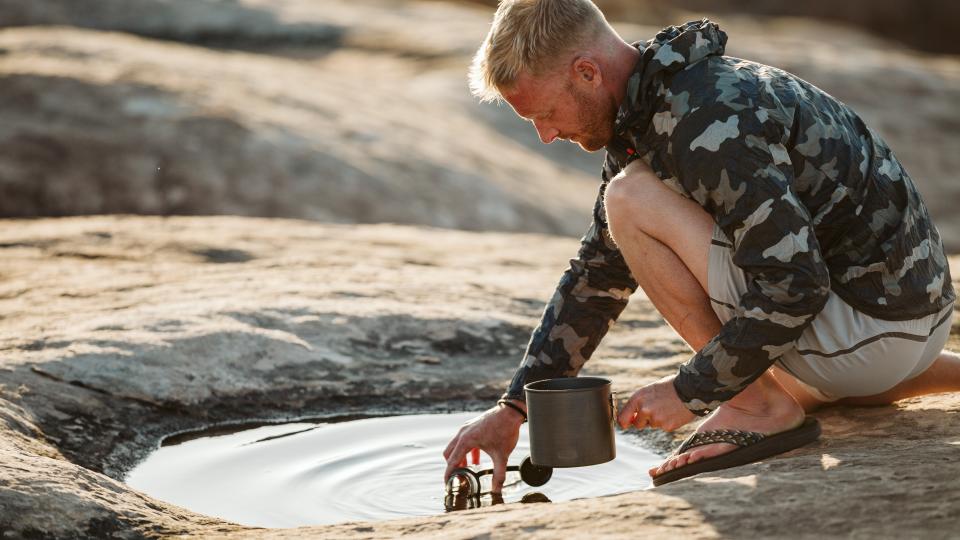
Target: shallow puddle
373	469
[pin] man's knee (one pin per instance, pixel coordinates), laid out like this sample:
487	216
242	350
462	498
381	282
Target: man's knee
638	200
626	195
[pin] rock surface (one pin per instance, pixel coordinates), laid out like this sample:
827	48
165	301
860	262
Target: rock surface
101	122
117	331
357	111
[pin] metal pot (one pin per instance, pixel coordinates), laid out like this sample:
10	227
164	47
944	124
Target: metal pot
570	422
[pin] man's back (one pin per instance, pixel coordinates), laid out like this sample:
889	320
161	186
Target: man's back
874	233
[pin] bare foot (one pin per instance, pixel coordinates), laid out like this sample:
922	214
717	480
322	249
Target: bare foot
764	407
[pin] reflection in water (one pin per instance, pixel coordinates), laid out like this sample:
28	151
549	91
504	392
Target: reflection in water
535	497
464	486
371	469
462	500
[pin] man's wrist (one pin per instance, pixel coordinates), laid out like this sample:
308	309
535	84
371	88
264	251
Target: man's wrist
516	401
518	407
513	398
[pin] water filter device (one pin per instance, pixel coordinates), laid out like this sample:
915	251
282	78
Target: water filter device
464	488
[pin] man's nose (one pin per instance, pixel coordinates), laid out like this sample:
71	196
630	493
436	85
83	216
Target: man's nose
547	134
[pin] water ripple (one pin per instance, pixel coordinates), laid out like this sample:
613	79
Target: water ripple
372	469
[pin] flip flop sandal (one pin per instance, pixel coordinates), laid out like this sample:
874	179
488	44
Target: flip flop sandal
753	447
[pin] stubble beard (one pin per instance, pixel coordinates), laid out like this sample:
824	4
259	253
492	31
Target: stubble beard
596	119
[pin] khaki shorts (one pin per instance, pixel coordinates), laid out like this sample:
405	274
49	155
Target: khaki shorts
844	352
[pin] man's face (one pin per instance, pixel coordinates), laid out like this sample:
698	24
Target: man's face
562	107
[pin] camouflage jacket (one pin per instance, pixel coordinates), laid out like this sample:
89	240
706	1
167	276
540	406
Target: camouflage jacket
810	198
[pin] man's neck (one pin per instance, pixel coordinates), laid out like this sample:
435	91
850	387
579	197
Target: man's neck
624	60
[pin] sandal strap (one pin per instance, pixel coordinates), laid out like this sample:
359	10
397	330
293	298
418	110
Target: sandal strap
730	436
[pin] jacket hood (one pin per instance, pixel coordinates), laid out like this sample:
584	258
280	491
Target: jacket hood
676	48
671	50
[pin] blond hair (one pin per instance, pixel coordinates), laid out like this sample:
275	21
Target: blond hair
531	36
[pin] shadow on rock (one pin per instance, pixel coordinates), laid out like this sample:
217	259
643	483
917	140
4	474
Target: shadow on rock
869	461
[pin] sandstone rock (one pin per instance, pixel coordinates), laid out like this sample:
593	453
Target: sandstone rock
174	129
181	20
358	112
408	27
118	331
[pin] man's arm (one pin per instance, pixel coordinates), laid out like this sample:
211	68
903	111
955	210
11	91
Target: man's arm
591	294
733	163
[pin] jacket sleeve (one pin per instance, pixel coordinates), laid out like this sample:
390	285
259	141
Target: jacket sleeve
590	296
730	159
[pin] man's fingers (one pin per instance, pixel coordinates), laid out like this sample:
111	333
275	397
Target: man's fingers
644	419
499	472
452	444
457	456
451	465
626	417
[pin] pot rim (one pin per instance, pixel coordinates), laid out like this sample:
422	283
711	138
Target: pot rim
529	387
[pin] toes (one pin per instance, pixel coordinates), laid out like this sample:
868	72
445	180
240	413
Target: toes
693	456
698	454
673	463
667	465
670	464
709	451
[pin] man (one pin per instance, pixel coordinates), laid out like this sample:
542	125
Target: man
772	229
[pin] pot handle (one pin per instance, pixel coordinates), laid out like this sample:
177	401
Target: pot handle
613	409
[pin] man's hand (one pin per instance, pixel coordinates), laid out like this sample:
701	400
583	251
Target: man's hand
496	432
655	405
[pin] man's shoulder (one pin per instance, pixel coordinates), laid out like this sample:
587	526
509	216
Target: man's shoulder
718	79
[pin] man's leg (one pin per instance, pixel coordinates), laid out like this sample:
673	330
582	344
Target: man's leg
665	239
942	376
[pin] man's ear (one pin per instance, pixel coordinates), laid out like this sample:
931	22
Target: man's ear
586	71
